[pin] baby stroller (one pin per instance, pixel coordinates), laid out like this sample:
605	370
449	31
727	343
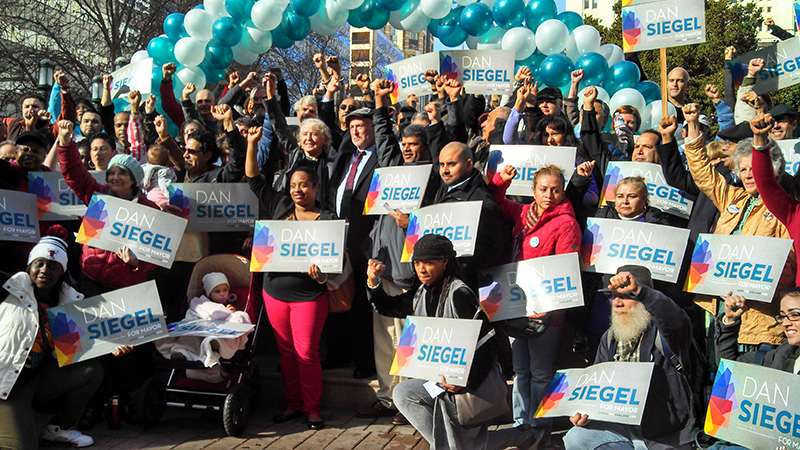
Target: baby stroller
239	391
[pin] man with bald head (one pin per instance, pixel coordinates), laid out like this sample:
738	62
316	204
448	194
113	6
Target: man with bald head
202	112
677	82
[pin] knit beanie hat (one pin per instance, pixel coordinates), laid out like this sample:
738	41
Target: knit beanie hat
128	162
432	247
50	248
214	279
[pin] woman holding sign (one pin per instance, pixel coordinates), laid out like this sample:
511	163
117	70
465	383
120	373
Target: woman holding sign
296	303
545	227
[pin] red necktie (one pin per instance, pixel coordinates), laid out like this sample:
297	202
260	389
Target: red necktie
351	177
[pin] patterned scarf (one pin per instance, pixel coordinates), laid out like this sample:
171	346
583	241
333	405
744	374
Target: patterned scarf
531	219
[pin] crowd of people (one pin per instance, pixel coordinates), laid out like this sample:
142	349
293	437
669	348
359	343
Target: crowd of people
238	132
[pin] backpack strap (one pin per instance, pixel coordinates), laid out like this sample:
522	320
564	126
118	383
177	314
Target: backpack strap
662	347
761	353
488	335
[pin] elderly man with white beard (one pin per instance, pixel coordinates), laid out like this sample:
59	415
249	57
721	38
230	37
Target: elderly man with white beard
640	317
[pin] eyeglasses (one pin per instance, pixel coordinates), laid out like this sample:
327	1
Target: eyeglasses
348	107
792	316
193	152
613	294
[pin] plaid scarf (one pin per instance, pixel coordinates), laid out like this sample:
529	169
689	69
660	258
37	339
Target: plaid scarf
531	219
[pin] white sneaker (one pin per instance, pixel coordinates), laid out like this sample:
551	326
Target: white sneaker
75	438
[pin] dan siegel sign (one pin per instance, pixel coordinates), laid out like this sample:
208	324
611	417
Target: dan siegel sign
215	206
781	66
532	286
97	326
749	266
152	235
608	244
791	153
479	71
133	77
400	187
409	75
55	199
205	328
649	25
527	159
293	246
19	219
754	406
611	392
457	221
662	196
432	347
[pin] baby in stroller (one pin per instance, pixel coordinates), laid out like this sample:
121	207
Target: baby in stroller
215	305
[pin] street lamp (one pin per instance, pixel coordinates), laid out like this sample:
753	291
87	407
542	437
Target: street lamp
119	63
46	68
97	88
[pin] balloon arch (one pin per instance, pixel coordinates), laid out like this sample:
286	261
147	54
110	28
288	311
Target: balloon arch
207	39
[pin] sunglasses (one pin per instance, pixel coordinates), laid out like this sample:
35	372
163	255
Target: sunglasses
194	152
348	107
792	316
613	294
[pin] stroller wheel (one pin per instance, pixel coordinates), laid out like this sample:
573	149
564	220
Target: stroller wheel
236	412
150	402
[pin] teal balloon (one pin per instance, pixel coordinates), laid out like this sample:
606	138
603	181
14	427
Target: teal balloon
649	90
533	62
392	5
571	19
476	19
295	26
156	76
173	27
433	27
509	13
305	8
450	32
354	18
623	74
537	11
162	50
373	16
279	38
217	56
227	31
594	67
239	9
213	75
555	70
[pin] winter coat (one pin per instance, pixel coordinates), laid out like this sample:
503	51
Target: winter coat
782	357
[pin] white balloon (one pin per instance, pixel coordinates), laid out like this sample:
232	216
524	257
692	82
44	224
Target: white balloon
466	2
243	55
415	22
138	56
333	15
472	42
255	39
586	39
602	94
266	14
190	51
194	75
216	8
521	40
654	114
318	27
572	49
492	39
350	4
394	20
489	3
436	9
552	36
612	53
627	96
198	24
282	4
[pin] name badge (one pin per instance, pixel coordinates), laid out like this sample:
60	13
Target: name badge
733	209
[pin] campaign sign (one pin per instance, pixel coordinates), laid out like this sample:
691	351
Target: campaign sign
649	25
610	243
431	348
18	217
791	153
662	196
457	221
398	187
97	326
527	159
749	266
54	198
133	77
409	75
781	64
151	234
206	328
293	246
215	206
610	392
754	406
532	286
479	71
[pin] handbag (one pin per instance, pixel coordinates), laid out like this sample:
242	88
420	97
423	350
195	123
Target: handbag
525	327
341	290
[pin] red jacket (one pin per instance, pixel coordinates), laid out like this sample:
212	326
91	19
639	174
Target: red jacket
101	266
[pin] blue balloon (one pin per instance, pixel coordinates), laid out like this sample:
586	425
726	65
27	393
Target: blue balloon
571	19
162	50
305	8
623	74
594	67
156	76
200	6
373	16
509	13
650	91
476	19
173	27
433	27
239	9
533	62
279	39
218	56
392	5
450	32
537	11
354	18
555	70
213	75
227	31
295	26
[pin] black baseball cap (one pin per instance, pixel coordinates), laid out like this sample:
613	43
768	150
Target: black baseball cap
641	273
32	136
552	93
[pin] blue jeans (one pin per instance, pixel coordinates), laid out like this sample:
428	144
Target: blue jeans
534	370
604	436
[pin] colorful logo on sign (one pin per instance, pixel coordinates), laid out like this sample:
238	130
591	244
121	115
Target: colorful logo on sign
701	262
66	337
178	198
412	236
44	194
613	177
555	392
631	30
591	245
405	348
374	192
263	247
94	221
395	94
448	67
491	299
722	401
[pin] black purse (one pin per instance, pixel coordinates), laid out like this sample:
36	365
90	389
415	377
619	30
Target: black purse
525	327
